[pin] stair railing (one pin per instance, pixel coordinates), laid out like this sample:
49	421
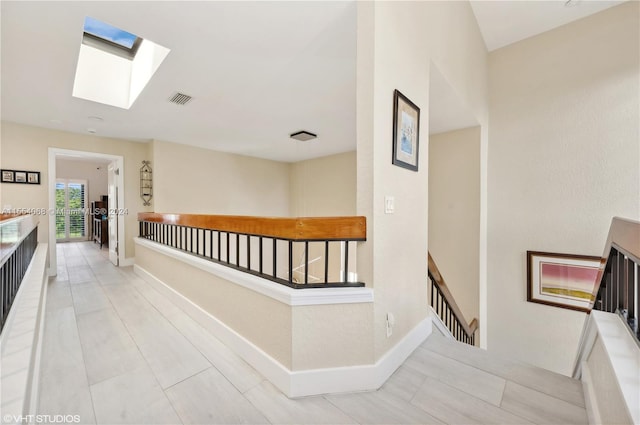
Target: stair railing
298	252
447	309
618	290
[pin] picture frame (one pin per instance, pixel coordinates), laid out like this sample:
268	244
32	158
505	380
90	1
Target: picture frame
33	177
406	132
562	280
20	176
8	176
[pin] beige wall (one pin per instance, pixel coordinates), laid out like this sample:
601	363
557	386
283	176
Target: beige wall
454	213
400	40
563	160
26	147
95	173
200	181
299	338
324	186
262	320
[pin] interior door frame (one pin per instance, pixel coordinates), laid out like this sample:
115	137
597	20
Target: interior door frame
53	153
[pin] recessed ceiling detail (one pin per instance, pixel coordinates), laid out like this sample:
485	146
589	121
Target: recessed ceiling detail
303	136
114	65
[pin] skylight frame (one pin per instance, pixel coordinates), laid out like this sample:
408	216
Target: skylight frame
111	47
104	36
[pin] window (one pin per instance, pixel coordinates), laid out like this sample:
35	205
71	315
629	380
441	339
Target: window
110	39
71	202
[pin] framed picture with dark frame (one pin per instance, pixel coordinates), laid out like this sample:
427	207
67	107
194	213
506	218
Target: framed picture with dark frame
406	125
20	177
33	177
562	280
8	176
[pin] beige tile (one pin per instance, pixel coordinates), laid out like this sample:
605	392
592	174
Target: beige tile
108	348
88	297
404	383
281	410
469	379
380	407
209	398
63	381
242	375
536	378
541	408
169	354
132	398
453	406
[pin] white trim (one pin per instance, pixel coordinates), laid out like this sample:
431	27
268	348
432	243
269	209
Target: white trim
21	341
284	294
53	152
128	262
299	383
623	354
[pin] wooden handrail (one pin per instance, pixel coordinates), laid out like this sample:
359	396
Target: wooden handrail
469	328
288	228
624	235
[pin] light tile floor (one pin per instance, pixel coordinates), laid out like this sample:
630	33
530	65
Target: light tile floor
117	351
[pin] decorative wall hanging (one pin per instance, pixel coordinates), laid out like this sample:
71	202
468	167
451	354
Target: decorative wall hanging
146	183
406	123
561	280
21	177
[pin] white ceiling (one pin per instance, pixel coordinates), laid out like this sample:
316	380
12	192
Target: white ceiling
257	71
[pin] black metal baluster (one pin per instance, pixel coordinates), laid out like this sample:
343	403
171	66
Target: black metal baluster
291	262
248	252
260	254
238	249
306	262
346	261
326	262
275	253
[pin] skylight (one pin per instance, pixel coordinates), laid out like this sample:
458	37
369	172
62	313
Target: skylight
114	65
109	32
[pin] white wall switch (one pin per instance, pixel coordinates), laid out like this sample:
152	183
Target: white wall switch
389	205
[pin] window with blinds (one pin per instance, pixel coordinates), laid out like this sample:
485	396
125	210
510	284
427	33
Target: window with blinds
71	203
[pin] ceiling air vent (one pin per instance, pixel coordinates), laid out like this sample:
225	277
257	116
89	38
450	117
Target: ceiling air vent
180	98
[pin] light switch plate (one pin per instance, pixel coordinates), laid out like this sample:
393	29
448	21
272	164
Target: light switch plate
389	205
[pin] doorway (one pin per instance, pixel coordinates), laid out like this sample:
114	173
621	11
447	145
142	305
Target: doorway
71	198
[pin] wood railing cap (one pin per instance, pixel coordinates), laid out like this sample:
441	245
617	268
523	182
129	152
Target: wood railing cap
469	328
290	228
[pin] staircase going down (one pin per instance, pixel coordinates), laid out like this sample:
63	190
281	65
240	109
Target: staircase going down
461	384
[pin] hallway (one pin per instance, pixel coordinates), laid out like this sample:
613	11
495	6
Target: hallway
117	351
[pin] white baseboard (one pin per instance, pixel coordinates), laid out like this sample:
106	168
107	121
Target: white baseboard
298	383
128	262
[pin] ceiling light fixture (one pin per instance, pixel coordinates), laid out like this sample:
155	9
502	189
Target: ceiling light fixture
303	136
